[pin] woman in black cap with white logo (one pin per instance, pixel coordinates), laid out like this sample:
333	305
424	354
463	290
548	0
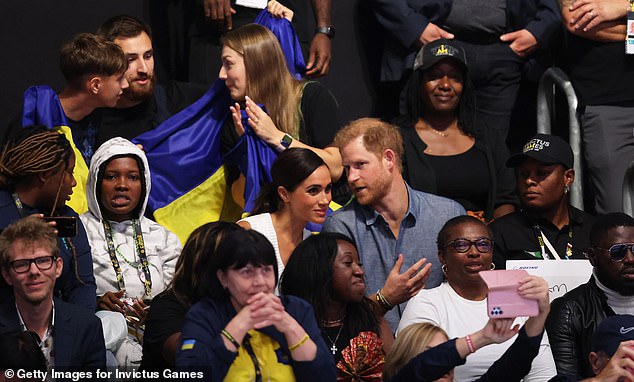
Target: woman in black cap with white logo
446	152
547	226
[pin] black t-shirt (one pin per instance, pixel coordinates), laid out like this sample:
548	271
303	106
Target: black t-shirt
463	177
601	72
515	236
134	121
165	317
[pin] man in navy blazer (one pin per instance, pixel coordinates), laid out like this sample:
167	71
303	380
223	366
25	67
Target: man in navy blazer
70	336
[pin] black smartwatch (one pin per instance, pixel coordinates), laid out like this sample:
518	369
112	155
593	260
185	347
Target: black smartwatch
286	141
328	31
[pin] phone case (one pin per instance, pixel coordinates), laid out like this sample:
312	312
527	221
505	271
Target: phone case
503	300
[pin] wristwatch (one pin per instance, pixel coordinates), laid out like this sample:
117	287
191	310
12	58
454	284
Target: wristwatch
328	31
286	141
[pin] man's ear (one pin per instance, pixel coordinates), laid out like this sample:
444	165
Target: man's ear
94	84
5	275
389	158
597	361
59	266
591	254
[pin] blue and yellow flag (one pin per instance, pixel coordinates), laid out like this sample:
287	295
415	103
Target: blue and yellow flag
186	166
188	174
42	107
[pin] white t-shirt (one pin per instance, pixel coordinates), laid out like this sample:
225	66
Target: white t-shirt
457	316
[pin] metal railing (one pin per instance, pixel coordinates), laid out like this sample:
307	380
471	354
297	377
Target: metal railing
628	190
553	79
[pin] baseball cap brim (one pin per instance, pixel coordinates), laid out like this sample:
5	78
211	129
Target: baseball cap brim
517	159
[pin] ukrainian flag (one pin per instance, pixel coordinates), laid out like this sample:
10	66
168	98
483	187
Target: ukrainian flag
42	107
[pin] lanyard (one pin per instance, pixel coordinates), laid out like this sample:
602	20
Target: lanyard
246	342
544	243
140	249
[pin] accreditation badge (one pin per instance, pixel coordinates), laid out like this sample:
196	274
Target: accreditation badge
629	37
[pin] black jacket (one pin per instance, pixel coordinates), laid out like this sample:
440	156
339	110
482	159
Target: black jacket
419	174
571	324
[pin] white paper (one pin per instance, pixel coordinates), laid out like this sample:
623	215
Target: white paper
258	4
562	275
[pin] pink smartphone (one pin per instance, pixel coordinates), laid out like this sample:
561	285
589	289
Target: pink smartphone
503	300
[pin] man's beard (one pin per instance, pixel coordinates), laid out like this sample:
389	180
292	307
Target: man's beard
138	93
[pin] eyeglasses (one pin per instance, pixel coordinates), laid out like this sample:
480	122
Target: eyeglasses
483	245
618	251
23	265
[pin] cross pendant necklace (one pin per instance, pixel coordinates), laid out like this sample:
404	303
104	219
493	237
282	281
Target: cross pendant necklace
334	348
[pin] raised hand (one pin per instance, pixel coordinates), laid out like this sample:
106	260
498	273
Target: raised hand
400	287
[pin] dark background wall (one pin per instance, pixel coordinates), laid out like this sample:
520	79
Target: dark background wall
356	59
32	31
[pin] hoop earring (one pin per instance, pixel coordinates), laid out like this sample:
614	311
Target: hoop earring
443	268
492	266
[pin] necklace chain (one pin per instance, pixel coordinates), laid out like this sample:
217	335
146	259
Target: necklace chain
442	134
326	323
334	348
428	126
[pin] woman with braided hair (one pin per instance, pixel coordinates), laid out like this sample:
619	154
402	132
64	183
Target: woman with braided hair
36	178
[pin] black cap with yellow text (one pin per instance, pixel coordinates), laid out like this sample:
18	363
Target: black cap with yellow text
546	148
438	50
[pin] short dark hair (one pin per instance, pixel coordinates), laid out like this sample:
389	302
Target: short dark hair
200	246
31	231
606	222
89	54
443	234
290	169
123	26
236	250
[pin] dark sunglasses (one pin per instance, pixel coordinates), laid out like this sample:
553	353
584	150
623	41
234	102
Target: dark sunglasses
461	245
618	251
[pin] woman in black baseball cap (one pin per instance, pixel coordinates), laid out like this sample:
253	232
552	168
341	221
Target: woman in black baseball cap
547	226
446	151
